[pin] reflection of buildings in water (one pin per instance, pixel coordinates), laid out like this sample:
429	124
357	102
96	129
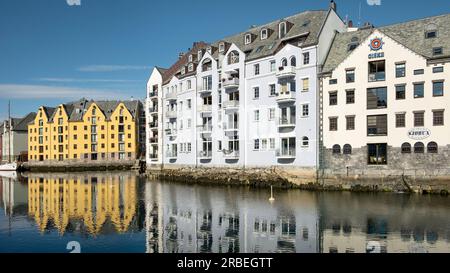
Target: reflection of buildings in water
95	204
205	220
375	223
13	196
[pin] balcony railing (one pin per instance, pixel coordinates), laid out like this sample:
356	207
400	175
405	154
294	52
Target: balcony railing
286	122
153	110
205	108
205	154
171	132
285	72
153	157
171	114
153	125
206	128
153	140
153	95
376	77
231	126
171	154
231	104
205	90
231	154
171	96
286	97
287	153
230	83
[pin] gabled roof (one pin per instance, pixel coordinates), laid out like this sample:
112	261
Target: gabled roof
22	124
409	34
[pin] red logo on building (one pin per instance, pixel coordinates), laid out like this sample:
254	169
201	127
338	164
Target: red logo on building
376	44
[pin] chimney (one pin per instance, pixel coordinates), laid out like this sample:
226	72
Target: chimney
333	5
350	24
180	55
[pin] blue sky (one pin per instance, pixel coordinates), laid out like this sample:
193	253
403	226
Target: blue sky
52	52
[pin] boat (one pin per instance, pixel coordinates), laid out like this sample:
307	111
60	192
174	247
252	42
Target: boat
8	167
8	174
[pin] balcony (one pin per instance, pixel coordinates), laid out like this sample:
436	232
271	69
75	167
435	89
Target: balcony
231	105
285	72
377	77
205	154
153	95
171	132
286	97
206	129
231	154
230	83
172	114
171	154
205	109
153	111
287	153
171	96
154	157
153	126
153	140
205	90
286	122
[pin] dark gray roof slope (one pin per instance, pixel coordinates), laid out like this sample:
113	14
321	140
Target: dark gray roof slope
410	34
22	124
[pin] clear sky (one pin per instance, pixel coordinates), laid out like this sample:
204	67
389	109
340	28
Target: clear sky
54	51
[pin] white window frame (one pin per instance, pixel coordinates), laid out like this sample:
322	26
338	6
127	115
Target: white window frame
248	38
272	66
256	115
270	89
264	33
302	113
191	67
272	114
303	84
256	144
272	144
190	58
254	92
221	47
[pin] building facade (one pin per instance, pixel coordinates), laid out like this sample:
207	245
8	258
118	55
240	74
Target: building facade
249	100
86	131
14	137
385	99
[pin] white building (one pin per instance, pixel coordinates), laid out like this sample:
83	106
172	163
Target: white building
385	98
14	138
249	100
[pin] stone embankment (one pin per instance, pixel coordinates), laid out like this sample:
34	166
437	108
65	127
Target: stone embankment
78	166
306	179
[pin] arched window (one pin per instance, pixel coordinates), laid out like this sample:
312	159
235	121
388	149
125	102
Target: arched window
206	65
305	141
293	61
347	149
432	148
233	57
336	149
406	148
284	62
419	148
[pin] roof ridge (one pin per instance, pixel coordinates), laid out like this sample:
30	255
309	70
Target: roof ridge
415	20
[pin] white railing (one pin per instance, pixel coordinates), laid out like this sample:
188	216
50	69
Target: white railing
285	71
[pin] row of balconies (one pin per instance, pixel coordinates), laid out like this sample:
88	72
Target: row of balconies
285	153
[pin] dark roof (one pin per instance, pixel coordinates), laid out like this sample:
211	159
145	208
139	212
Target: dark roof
22	124
305	27
409	34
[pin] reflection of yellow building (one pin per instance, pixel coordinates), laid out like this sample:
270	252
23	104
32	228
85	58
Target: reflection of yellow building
86	130
90	199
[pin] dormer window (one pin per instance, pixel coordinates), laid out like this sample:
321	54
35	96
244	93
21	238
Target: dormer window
437	51
248	39
264	34
190	58
282	30
221	47
354	43
199	56
191	67
431	31
209	49
183	70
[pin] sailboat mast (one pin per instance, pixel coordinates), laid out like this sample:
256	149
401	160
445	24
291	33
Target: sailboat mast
9	130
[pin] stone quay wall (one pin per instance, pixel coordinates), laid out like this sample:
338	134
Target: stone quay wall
79	166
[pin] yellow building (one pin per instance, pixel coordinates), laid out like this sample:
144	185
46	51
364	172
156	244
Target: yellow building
86	131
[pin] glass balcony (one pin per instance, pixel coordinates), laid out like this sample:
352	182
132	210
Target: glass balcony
286	153
285	72
377	77
231	105
171	154
205	154
153	110
172	114
171	96
205	108
286	97
153	95
231	154
230	83
286	122
171	132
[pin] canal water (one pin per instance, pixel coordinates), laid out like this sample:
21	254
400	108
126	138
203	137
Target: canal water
125	213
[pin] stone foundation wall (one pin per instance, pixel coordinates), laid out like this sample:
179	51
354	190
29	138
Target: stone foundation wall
78	166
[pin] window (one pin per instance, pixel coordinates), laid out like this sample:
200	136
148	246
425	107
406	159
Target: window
305	84
419	72
191	67
336	149
350	75
400	120
432	148
264	34
431	34
264	144
271	114
333	82
350	96
350	123
419	148
305	141
292	86
272	66
347	150
284	62
190	58
306	58
189	84
419	119
333	98
377	125
437	51
438	118
256	145
189	103
377	154
256	115
272	143
259	49
406	148
221	47
207	83
438	69
377	98
255	93
273	90
400	70
293	61
418	90
248	39
333	124
282	30
438	88
377	71
305	110
256	69
400	92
